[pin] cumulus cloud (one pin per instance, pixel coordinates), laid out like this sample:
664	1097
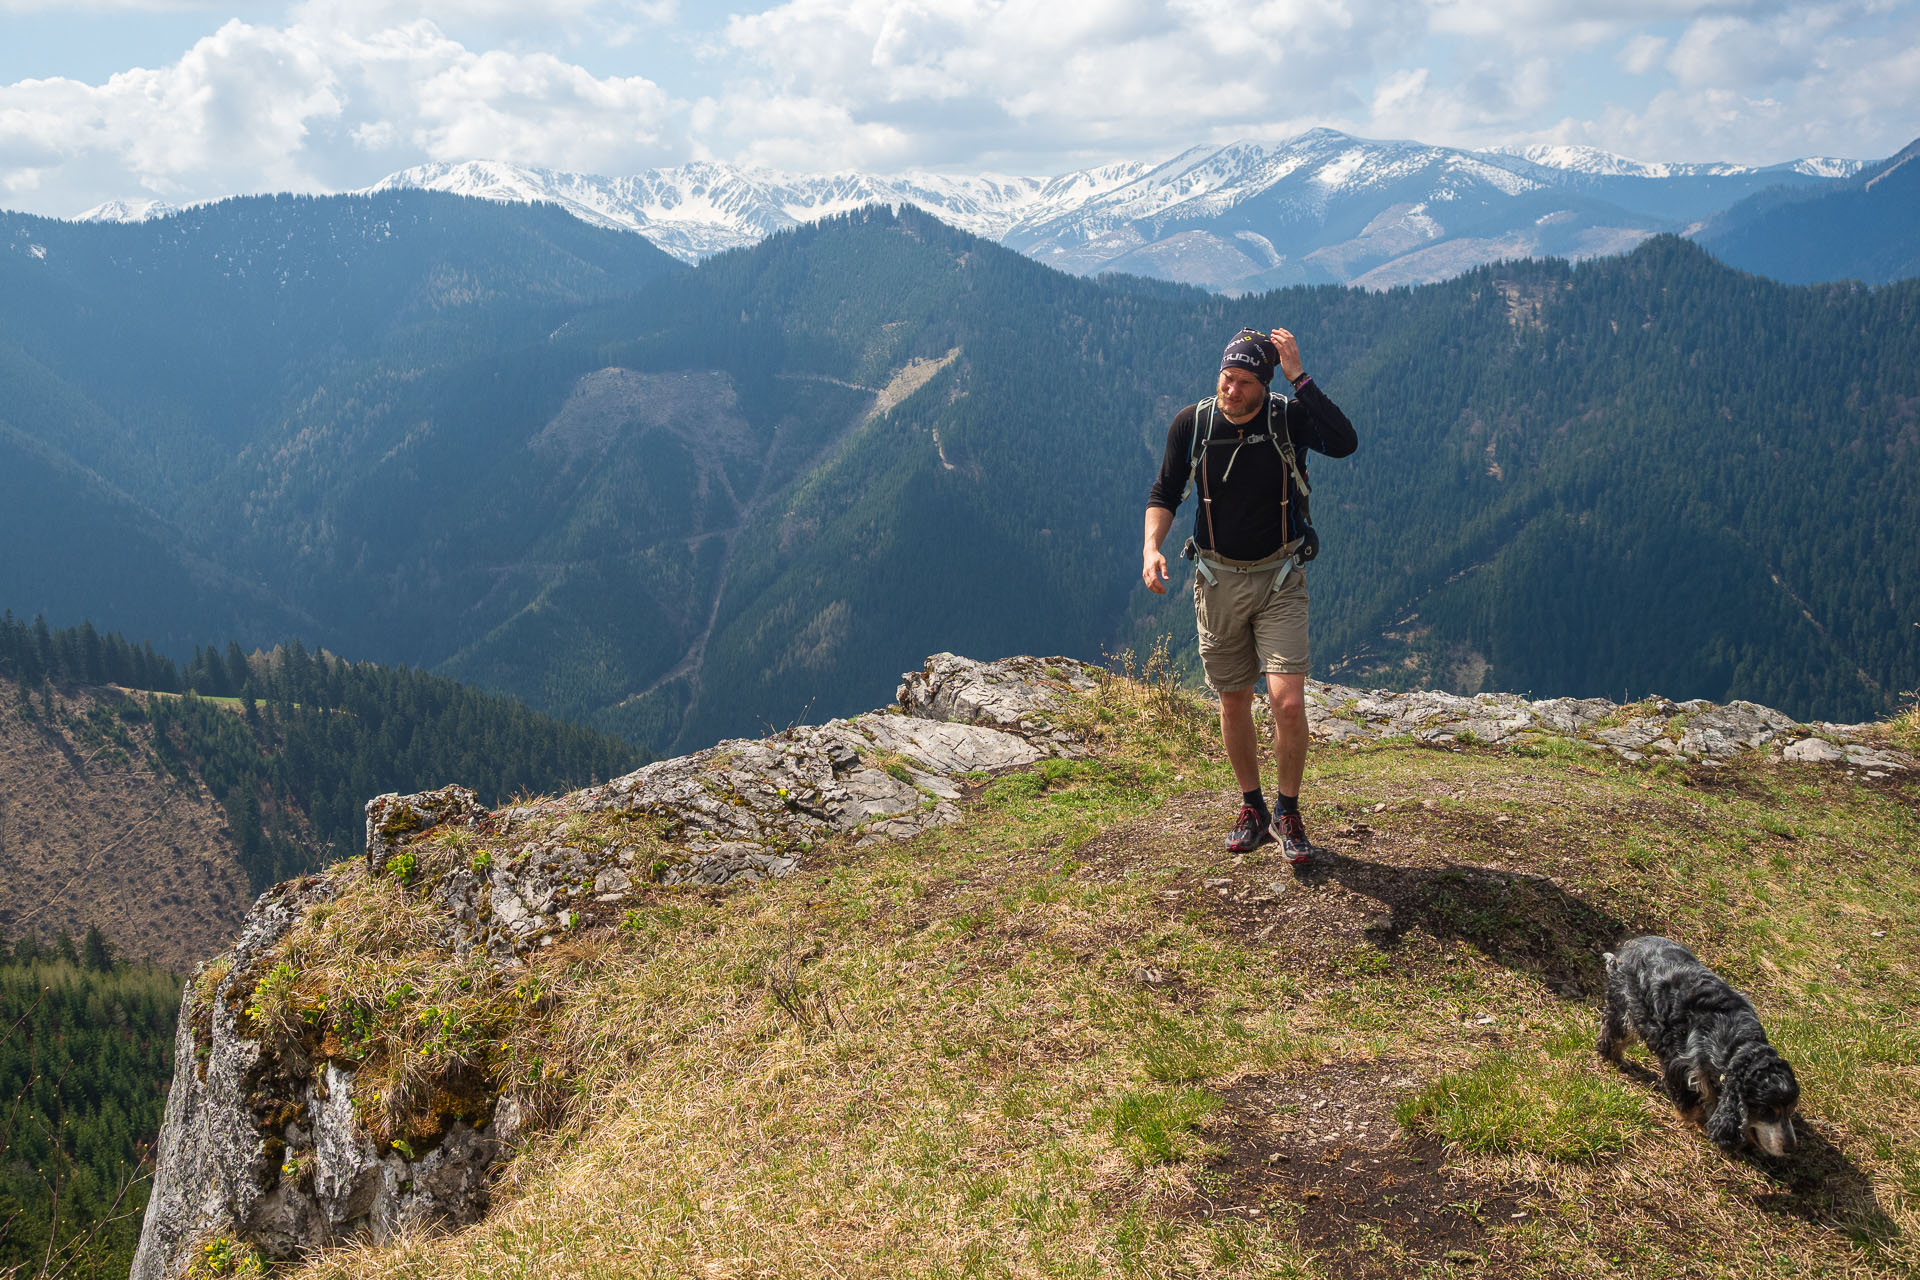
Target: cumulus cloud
239	105
341	92
1487	102
873	83
304	107
965	78
1769	85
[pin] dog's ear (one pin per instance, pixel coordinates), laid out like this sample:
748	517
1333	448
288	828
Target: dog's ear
1728	1124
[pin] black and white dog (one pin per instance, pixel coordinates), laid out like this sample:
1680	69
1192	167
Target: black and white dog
1719	1068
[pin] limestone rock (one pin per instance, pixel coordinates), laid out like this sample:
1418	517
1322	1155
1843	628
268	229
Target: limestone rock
274	1153
393	818
1697	731
1814	751
1015	694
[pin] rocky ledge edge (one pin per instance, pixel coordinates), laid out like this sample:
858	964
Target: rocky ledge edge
736	813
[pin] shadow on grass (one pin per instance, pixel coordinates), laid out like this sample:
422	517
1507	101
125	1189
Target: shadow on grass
1526	923
1819	1184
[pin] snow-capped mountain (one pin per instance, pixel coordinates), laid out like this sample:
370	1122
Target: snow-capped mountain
1319	207
699	209
1327	207
1592	160
128	211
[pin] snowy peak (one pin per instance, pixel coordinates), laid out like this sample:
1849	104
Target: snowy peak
1594	161
1320	207
703	208
128	211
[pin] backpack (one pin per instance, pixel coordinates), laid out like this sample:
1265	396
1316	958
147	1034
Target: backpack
1282	442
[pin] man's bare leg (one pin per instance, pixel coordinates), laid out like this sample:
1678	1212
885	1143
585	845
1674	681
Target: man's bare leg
1243	752
1236	733
1287	697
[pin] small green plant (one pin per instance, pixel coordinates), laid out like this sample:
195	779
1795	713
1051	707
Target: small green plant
1013	789
1160	1127
893	764
354	1025
401	866
1550	1108
272	1000
1547	746
481	861
222	1256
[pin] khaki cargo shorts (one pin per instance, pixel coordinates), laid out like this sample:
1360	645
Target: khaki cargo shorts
1248	627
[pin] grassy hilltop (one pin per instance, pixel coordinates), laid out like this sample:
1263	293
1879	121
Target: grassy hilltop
1069	1036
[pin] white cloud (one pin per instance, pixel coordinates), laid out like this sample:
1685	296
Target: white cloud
1482	106
958	79
1642	53
302	107
239	106
341	92
105	6
535	109
1811	80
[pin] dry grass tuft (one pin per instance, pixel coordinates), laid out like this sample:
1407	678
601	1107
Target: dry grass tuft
1904	728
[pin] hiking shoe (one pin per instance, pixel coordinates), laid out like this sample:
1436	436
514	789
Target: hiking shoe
1293	839
1253	830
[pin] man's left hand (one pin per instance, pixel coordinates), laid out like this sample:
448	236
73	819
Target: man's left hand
1289	350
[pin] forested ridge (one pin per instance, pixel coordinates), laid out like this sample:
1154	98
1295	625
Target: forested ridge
662	501
293	744
1644	475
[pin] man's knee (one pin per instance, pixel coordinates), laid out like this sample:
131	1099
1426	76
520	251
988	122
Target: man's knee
1288	698
1236	702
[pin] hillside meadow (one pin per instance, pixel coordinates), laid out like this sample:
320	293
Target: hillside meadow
1069	1036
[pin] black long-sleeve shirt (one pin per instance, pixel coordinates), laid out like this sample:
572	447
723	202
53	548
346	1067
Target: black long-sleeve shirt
1255	508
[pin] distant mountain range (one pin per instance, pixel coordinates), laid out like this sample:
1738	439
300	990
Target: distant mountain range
681	503
1864	228
1319	208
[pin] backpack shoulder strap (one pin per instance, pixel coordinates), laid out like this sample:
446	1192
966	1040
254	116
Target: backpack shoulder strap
1282	437
1196	444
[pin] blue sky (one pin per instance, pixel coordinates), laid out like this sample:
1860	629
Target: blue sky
181	100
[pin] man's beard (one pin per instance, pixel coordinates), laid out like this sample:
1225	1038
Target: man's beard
1238	407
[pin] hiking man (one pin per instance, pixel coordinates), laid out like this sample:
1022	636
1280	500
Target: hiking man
1243	447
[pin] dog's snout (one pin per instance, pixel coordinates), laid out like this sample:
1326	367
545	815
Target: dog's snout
1776	1139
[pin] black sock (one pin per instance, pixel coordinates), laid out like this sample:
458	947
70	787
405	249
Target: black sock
1288	804
1256	800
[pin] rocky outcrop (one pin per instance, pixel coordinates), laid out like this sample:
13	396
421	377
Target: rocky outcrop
1698	732
263	1141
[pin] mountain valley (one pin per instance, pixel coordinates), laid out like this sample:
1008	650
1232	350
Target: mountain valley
681	504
